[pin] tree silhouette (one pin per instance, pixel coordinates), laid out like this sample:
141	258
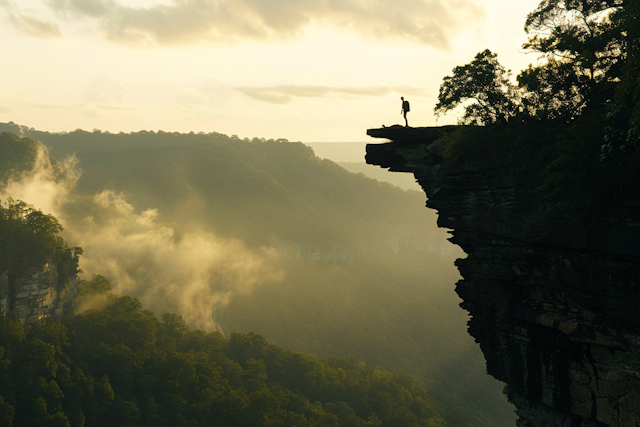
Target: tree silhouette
486	84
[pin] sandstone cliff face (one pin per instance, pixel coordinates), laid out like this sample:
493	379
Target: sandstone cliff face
36	297
552	306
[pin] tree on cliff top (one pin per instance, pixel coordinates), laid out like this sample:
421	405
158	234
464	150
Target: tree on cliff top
484	82
578	105
582	45
28	240
622	135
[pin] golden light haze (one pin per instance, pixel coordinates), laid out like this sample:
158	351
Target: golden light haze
304	70
188	271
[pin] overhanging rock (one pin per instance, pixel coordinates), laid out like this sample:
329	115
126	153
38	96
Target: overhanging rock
552	306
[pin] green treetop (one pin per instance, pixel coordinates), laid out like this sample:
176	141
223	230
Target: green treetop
582	47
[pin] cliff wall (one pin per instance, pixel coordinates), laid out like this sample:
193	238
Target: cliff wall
36	296
555	308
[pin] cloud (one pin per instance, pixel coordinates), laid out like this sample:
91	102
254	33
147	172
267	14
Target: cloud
93	8
104	89
30	25
428	22
285	94
190	272
35	27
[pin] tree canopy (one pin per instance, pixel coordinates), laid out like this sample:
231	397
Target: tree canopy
122	366
622	135
582	50
576	107
485	82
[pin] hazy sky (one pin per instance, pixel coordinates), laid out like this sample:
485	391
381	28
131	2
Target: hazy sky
307	70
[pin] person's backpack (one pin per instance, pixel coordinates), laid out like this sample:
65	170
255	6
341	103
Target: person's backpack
406	107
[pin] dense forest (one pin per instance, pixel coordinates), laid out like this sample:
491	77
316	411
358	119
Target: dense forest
391	304
117	364
122	366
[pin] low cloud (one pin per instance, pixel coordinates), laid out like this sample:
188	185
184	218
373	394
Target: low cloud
427	22
47	185
287	93
189	272
185	271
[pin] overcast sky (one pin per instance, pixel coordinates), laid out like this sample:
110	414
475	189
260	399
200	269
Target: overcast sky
305	70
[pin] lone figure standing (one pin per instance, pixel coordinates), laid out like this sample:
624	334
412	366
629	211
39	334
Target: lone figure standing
405	110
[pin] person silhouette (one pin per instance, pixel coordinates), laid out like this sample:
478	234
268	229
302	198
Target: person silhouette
405	110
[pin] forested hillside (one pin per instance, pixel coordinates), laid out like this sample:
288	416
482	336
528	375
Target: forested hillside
121	366
390	303
252	190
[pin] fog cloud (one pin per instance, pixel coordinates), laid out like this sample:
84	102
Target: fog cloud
285	94
189	272
47	185
428	22
192	272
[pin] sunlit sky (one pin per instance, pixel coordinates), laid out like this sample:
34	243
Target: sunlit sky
305	70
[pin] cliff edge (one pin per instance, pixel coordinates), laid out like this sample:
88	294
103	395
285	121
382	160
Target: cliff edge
555	307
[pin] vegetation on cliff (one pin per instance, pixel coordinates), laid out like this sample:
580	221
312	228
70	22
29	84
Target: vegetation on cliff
568	129
30	239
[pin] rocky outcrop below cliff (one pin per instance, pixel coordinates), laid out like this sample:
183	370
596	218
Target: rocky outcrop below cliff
555	307
36	296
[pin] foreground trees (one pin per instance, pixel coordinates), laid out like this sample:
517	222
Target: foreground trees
484	81
122	366
582	50
571	132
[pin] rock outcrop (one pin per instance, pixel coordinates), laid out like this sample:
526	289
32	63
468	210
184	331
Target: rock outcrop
555	308
36	296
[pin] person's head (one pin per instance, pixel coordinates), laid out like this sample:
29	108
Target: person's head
402	97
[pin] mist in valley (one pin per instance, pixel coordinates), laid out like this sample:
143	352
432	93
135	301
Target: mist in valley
265	236
350	155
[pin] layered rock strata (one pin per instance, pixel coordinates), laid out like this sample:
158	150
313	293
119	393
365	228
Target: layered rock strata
555	308
36	296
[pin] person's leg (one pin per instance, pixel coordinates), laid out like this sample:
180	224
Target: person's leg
406	123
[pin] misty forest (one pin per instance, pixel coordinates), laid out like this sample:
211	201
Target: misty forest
200	279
